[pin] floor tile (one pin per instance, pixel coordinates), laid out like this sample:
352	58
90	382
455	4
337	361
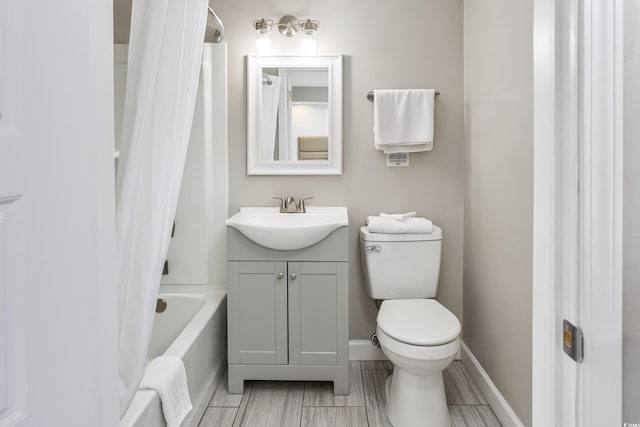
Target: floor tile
218	417
334	417
376	364
222	398
460	387
273	404
356	388
248	386
473	416
374	381
320	393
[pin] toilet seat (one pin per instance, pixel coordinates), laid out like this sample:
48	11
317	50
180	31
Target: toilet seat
417	352
418	322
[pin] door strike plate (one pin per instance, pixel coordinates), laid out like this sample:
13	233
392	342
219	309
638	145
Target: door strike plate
572	340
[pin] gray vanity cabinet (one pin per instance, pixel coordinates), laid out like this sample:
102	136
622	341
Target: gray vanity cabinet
288	312
257	311
316	312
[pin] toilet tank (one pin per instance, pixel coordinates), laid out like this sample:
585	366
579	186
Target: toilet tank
399	266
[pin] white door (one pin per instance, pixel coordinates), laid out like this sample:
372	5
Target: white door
58	364
577	211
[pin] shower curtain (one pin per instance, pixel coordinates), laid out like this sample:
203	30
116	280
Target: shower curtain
269	118
165	52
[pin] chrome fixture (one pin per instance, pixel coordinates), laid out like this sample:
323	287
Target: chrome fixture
289	204
370	95
374	340
288	26
161	305
302	207
219	32
266	79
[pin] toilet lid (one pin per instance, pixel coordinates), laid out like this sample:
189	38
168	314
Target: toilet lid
422	322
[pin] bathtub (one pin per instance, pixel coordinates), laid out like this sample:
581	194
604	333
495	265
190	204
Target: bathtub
193	327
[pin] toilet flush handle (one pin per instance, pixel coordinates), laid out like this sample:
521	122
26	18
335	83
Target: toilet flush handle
373	248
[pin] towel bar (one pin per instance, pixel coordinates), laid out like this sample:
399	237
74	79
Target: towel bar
370	95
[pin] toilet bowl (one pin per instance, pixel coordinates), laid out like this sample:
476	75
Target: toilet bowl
421	339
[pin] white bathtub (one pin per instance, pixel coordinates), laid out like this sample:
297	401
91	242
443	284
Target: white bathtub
193	327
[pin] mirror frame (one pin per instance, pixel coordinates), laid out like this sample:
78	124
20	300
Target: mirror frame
333	166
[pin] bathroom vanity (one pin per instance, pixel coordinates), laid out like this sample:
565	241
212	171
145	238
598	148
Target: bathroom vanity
288	309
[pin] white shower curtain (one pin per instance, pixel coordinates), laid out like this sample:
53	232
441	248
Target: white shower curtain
269	118
162	78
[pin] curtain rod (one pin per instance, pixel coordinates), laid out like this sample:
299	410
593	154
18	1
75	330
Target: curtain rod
219	33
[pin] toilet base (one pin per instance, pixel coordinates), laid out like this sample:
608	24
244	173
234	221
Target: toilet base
416	400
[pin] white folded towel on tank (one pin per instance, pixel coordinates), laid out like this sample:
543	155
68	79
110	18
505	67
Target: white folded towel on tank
167	376
379	224
399	216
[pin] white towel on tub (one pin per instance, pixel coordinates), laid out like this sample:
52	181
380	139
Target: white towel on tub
167	376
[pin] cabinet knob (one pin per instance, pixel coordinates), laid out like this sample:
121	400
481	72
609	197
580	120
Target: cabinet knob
280	275
293	276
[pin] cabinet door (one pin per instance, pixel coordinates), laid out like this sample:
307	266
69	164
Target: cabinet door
318	324
257	312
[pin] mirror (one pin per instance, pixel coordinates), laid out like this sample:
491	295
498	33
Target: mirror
294	115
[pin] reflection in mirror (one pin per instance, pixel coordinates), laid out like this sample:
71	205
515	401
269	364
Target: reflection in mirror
294	115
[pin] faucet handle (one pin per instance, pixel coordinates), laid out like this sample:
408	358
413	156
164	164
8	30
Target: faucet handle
302	207
282	203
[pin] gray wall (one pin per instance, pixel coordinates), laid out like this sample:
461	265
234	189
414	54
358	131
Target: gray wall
412	43
499	193
631	240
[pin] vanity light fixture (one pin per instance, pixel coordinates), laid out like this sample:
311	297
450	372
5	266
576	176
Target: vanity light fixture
288	26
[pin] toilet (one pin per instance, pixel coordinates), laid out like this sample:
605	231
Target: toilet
418	335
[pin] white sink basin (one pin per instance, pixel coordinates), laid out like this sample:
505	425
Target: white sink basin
268	227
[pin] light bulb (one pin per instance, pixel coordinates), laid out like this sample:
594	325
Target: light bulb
309	44
263	41
263	44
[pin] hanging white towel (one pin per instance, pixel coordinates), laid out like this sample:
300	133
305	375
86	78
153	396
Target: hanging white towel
403	120
167	376
378	224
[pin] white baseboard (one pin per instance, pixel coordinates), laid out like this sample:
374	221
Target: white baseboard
364	350
498	403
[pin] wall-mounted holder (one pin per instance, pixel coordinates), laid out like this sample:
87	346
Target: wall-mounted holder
370	95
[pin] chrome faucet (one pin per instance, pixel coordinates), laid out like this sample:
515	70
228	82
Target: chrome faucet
289	204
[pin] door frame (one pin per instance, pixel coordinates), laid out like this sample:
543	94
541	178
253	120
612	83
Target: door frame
578	69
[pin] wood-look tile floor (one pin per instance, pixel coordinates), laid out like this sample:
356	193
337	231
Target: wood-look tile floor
312	404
